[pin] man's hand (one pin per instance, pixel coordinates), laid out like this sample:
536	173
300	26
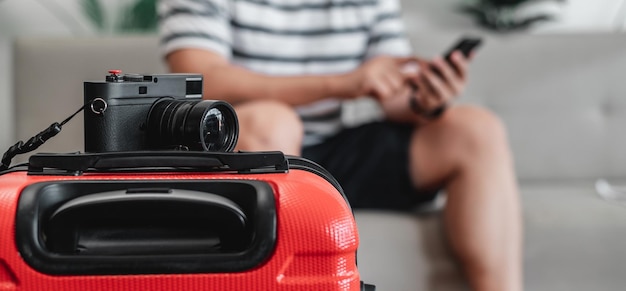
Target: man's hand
435	89
430	90
381	77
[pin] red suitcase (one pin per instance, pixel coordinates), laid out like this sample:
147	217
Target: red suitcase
175	221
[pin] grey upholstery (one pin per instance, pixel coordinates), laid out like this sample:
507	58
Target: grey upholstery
562	98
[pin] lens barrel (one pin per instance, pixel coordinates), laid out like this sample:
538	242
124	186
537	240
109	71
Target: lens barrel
192	125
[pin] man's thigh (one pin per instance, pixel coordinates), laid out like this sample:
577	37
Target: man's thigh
371	163
266	125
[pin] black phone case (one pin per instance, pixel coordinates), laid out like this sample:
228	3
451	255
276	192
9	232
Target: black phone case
465	46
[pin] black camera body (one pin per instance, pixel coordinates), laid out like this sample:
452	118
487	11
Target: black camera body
131	112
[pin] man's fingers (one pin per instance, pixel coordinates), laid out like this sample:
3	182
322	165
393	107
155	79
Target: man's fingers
439	81
460	64
394	82
388	79
405	60
381	89
437	85
450	77
425	96
446	71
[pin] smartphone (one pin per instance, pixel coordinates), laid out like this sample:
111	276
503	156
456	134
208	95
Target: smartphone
466	46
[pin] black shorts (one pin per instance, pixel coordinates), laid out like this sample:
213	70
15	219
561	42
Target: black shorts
371	164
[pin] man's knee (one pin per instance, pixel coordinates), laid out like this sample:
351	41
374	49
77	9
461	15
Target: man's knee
472	128
268	125
479	122
463	135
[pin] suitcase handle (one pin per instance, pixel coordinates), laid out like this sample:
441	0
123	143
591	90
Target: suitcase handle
148	221
146	226
76	164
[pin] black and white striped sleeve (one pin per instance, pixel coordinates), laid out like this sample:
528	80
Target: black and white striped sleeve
387	35
201	24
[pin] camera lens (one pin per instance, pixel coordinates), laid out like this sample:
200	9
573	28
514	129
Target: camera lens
193	125
213	132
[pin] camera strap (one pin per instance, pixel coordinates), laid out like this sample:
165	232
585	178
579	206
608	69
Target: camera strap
36	141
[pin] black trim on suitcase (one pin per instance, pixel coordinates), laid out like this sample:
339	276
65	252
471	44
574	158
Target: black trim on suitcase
146	227
76	164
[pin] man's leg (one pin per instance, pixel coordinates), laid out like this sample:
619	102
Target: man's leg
466	152
269	126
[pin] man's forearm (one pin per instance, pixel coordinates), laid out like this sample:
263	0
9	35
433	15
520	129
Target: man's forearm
237	84
234	84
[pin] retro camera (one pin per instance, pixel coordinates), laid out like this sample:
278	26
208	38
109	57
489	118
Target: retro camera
131	112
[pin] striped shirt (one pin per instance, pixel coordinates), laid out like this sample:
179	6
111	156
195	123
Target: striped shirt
289	37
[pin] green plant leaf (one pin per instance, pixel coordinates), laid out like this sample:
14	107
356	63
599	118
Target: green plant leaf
139	16
94	12
504	3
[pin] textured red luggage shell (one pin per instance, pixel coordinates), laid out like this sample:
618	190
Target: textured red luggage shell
315	246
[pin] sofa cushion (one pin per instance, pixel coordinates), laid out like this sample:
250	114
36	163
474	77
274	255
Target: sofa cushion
574	240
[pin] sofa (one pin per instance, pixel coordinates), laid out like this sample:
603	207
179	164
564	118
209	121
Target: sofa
562	98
